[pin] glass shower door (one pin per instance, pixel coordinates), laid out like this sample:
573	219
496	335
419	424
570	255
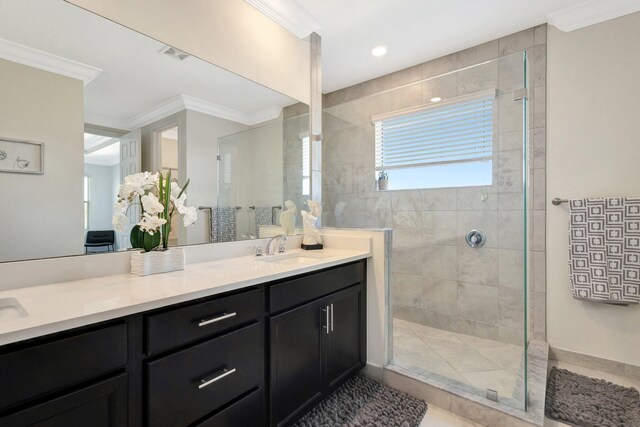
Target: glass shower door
456	166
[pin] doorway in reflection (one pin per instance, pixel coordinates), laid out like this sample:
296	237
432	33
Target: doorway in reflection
101	181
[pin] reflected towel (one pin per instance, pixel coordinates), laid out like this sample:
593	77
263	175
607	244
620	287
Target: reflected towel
604	249
223	225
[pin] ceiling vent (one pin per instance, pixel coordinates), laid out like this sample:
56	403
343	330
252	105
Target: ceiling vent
175	53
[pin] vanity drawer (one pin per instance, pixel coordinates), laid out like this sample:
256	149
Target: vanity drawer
232	365
248	411
55	365
294	292
182	325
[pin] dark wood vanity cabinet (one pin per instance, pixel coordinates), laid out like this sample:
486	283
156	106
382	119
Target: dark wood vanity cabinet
68	379
315	346
258	356
208	358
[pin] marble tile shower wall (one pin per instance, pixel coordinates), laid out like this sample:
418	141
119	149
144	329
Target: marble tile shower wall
438	280
296	124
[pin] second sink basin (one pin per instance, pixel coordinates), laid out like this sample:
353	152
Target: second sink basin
293	258
10	309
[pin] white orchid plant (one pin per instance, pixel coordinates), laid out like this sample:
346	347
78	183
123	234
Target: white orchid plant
160	199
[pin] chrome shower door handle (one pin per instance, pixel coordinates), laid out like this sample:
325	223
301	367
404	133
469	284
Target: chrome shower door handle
476	238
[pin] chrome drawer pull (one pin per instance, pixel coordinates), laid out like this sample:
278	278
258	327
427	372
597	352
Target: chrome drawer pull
205	322
225	372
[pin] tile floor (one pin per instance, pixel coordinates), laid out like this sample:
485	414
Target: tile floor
474	364
438	417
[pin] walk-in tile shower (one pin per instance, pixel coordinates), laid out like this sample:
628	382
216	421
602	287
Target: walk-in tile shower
438	152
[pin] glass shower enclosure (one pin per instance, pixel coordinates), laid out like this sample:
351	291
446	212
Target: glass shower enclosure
258	169
452	145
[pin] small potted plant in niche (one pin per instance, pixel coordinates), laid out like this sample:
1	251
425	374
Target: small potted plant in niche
160	198
383	180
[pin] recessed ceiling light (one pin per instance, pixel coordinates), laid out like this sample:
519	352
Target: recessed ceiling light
436	99
379	50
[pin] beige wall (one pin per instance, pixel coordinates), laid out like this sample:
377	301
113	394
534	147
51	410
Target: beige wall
43	107
229	33
593	150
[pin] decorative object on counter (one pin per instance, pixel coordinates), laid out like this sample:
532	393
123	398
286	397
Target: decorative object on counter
288	218
383	180
21	156
312	239
160	199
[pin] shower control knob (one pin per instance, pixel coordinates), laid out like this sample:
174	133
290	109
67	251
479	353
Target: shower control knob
476	238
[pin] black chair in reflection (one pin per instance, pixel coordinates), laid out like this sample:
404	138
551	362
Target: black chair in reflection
97	239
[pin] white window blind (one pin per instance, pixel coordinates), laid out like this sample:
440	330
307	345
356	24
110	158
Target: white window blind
457	131
306	166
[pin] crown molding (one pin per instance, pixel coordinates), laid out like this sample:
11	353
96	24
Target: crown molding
35	58
105	122
591	12
264	115
184	102
288	14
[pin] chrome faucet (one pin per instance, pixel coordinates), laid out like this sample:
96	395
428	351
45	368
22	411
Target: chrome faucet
281	240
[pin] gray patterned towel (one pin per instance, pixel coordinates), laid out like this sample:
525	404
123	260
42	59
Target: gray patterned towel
604	249
223	224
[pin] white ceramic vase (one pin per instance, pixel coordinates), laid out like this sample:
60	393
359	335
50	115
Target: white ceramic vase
154	262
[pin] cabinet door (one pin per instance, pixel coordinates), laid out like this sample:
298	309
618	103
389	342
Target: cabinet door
101	405
345	342
296	361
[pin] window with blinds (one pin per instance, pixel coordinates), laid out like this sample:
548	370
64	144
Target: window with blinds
306	166
449	144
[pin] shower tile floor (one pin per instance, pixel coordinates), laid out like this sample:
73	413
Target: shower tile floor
472	363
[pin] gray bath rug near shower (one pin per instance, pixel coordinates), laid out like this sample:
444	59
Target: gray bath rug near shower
588	402
364	402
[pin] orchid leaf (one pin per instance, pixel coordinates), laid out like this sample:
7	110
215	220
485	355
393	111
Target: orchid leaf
186	184
136	237
151	241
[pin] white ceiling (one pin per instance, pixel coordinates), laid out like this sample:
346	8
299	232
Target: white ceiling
101	150
136	77
414	31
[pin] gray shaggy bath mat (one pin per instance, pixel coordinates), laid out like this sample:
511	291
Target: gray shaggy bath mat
364	402
588	402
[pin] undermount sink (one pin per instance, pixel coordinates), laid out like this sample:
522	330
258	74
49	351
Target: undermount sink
293	259
10	309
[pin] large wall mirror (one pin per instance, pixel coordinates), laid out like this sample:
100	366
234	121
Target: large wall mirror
101	101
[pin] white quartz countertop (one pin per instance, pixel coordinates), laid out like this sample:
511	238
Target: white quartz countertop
61	306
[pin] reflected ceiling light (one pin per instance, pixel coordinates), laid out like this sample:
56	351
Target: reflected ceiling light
175	53
379	50
436	99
